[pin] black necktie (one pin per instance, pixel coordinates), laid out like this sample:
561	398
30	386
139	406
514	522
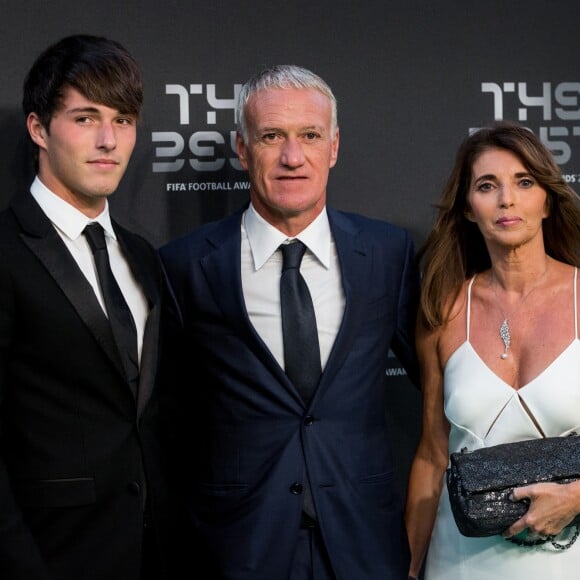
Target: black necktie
120	318
301	350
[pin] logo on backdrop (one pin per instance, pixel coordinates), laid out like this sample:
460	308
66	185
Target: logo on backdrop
394	368
202	147
551	110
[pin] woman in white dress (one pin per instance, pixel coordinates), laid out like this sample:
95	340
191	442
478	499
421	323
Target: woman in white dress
499	348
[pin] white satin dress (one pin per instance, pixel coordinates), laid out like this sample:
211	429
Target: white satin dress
483	410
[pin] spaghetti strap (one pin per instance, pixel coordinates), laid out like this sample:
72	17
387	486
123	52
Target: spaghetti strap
468	317
576	301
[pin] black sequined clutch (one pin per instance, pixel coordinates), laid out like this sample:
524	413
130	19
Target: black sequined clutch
480	482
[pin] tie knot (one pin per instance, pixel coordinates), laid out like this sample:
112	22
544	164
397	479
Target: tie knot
95	236
292	254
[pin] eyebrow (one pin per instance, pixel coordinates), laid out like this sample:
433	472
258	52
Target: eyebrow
281	129
494	177
75	110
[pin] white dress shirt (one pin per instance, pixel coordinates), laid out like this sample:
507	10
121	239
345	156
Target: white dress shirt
69	222
261	269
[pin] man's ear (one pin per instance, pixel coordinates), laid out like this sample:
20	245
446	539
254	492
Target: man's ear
334	149
36	130
241	150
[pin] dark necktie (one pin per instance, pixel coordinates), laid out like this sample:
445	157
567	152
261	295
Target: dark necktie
120	318
301	349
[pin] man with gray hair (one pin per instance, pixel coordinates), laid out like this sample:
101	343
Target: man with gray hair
281	431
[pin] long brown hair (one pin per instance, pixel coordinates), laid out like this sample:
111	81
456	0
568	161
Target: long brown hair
455	249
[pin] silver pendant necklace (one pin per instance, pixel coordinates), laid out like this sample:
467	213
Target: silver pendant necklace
504	332
504	329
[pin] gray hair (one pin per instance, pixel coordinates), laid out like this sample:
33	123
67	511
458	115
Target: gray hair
284	76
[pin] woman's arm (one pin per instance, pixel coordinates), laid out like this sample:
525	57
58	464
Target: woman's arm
431	458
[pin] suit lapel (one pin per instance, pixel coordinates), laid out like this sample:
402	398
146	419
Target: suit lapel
144	269
140	265
148	366
354	259
43	240
222	268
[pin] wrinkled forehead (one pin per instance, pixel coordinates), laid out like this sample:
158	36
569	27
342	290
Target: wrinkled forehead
296	106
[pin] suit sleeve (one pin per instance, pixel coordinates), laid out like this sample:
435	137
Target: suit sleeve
20	558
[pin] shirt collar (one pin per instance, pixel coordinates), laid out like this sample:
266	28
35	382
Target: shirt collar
64	216
264	238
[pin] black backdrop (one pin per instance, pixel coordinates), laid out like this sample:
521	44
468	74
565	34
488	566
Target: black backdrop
411	79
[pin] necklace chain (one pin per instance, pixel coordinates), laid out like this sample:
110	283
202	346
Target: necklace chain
504	329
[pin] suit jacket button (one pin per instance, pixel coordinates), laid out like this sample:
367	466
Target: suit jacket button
308	420
134	488
296	488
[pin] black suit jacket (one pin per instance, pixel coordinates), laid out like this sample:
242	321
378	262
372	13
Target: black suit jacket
75	442
248	439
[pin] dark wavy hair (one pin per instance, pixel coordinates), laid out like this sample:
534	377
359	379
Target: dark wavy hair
455	249
102	70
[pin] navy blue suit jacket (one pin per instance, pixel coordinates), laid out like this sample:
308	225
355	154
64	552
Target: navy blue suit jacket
245	437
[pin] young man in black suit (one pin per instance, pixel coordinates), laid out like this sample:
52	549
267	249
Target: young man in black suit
82	492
